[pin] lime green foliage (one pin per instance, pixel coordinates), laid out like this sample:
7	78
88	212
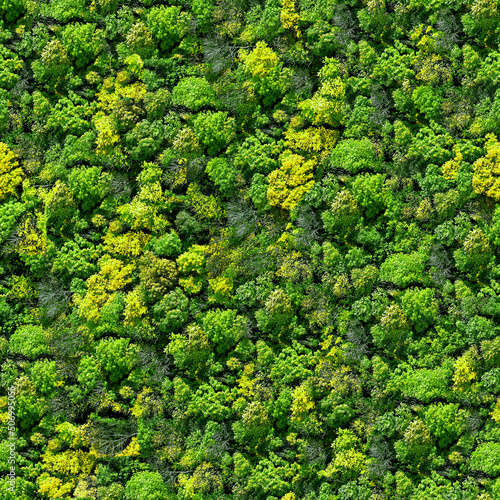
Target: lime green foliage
83	42
427	101
168	25
272	477
349	462
258	191
10	66
203	10
214	130
145	486
224	328
116	357
88	373
446	422
485	459
424	384
45	376
368	191
327	104
9	212
354	155
222	174
10	173
403	269
88	185
265	72
420	307
30	341
193	93
486	171
192	261
288	185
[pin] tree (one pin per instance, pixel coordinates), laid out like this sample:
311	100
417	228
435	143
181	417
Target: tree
403	269
265	72
116	357
343	214
10	173
222	174
349	462
167	245
288	185
54	63
30	341
368	191
215	130
487	169
354	155
89	185
256	154
393	326
156	276
427	101
171	312
416	444
420	307
12	9
475	254
83	42
224	328
194	93
203	10
146	486
277	313
168	25
485	458
140	40
446	422
327	106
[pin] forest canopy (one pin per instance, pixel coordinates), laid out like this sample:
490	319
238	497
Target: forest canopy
249	249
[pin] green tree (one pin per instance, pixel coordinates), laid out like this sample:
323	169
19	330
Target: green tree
168	25
83	42
446	422
215	130
420	307
224	328
116	357
145	486
30	341
194	93
403	269
354	155
485	458
222	174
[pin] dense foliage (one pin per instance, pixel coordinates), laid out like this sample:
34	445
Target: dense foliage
250	249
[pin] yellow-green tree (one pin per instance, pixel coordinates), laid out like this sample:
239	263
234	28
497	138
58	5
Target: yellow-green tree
11	174
289	183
